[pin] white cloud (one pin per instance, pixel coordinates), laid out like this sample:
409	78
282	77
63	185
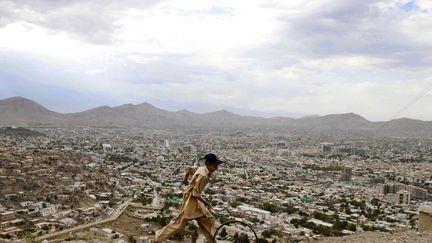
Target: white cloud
327	56
96	71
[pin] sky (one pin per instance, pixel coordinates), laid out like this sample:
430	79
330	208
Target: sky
267	58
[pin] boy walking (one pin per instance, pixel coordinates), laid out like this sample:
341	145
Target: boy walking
194	206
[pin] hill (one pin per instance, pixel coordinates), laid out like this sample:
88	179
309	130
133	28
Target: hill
19	110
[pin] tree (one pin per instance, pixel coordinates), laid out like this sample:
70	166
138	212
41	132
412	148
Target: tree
347	210
244	238
375	201
163	221
192	227
223	234
270	207
267	233
235	237
234	204
178	236
132	239
352	227
289	208
194	236
28	236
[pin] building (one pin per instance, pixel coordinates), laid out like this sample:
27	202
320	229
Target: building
48	210
258	213
425	219
378	180
189	148
346	174
389	188
144	239
107	148
418	193
320	222
326	147
6	216
404	197
104	196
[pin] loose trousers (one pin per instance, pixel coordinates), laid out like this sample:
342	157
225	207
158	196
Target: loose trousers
206	224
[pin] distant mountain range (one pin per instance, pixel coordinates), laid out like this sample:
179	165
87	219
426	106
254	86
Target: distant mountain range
19	111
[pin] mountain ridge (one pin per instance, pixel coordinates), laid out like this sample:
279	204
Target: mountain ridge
20	110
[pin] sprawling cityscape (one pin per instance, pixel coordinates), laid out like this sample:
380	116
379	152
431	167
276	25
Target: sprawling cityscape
121	184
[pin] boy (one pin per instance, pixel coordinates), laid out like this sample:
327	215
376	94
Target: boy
194	206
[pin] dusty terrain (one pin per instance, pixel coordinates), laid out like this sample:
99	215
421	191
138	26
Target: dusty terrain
379	237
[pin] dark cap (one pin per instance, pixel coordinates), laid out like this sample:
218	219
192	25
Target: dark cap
211	158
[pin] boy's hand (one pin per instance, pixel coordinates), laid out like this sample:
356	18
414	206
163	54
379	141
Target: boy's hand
209	206
185	182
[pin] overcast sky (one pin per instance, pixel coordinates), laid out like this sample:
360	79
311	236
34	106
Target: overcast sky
291	58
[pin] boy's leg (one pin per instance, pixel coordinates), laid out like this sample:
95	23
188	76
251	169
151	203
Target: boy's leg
207	226
173	227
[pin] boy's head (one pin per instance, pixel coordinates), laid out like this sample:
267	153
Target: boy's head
212	162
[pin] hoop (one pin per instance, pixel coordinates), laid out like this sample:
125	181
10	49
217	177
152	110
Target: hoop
235	221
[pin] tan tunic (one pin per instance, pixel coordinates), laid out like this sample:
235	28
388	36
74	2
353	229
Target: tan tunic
192	208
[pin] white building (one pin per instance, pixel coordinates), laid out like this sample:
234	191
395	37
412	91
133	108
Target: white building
49	210
404	197
107	148
259	213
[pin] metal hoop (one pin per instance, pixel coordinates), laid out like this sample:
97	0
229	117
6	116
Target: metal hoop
235	221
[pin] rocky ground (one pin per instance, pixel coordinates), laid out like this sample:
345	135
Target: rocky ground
379	237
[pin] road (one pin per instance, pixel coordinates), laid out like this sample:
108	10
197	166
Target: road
117	212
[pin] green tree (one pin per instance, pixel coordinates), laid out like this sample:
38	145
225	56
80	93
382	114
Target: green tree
29	237
375	201
223	234
178	236
235	237
242	238
194	236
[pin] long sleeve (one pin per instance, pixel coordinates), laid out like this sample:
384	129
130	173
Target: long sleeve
193	203
199	185
189	170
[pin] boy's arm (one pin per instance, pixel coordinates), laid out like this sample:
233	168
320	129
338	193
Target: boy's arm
207	204
186	178
189	170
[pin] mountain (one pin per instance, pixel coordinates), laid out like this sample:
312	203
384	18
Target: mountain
143	114
311	116
340	121
19	110
226	118
405	127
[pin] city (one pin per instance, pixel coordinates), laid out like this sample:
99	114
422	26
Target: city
288	187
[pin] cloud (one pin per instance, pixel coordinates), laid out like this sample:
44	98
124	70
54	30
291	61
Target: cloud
283	57
91	21
352	28
95	71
